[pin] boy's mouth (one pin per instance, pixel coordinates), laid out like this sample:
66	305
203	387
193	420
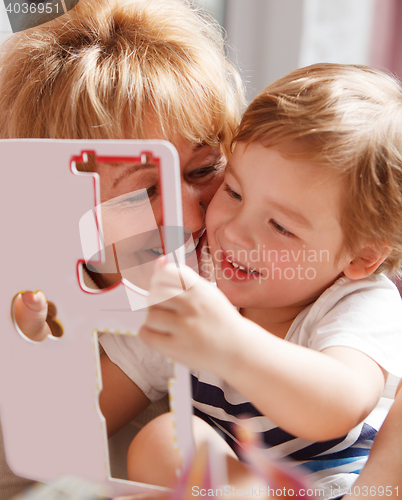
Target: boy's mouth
240	269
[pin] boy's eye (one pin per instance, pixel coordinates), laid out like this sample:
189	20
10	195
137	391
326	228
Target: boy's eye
280	229
232	193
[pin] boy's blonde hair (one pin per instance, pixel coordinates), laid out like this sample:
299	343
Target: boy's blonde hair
98	71
349	120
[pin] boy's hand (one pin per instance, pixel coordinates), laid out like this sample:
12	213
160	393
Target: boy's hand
196	326
31	310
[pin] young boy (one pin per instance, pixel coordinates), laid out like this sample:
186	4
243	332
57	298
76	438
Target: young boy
307	219
101	72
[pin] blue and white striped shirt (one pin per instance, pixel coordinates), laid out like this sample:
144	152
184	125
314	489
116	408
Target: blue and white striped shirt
365	315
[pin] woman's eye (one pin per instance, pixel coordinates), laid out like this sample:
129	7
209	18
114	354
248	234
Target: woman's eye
218	165
140	197
280	229
232	193
203	172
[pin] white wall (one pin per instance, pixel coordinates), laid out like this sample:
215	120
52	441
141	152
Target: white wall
264	36
269	38
337	31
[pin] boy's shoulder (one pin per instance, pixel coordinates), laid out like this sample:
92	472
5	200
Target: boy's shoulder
371	288
354	305
374	295
373	281
365	315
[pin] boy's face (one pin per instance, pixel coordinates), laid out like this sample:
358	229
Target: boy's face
280	219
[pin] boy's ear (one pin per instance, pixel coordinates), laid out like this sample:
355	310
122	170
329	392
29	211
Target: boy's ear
369	258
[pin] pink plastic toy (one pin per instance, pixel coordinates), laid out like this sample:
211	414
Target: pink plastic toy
49	390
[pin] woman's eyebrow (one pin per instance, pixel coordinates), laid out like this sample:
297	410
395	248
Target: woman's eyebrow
198	146
203	144
131	170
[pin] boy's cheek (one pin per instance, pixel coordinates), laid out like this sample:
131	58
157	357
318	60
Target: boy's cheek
216	210
209	217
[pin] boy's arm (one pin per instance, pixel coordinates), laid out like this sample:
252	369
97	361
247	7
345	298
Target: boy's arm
313	395
121	399
381	475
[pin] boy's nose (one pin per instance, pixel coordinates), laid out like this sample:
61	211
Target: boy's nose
239	231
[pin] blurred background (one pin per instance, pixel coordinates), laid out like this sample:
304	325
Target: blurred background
268	38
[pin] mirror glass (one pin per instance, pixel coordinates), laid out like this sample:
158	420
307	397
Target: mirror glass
129	219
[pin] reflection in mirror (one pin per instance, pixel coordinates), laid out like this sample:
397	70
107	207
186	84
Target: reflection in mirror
129	222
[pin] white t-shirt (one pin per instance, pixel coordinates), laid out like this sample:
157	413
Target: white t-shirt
365	315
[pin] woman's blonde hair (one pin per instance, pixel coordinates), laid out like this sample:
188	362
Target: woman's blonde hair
98	71
347	119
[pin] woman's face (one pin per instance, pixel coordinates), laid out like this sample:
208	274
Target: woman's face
131	208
